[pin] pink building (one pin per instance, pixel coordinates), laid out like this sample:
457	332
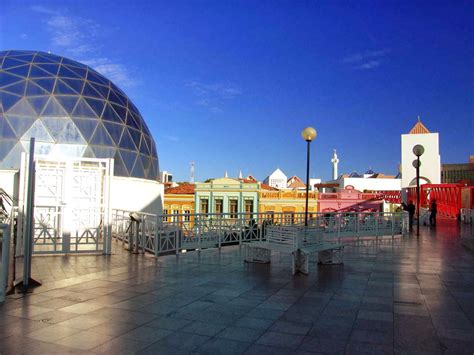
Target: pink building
349	200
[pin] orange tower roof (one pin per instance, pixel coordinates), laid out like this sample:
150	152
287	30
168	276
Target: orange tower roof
419	128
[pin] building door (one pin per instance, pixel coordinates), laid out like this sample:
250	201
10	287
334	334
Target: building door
71	210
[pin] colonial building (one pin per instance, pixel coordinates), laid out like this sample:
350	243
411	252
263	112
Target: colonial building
290	202
179	200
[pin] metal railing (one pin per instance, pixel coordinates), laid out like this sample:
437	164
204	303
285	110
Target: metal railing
172	233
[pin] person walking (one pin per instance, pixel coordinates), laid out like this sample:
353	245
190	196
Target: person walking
434	211
411	213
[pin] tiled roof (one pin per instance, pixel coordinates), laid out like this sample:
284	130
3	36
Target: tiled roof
419	128
182	189
267	187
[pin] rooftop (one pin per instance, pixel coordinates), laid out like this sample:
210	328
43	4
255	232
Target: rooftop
391	296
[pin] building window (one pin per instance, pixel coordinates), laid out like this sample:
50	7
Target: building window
175	215
248	206
219	206
289	218
165	218
204	207
187	215
233	208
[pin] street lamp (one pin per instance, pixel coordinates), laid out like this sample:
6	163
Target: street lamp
418	150
308	134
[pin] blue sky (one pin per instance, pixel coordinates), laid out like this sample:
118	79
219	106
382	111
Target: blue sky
231	84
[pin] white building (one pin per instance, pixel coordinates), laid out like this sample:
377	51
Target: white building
369	182
277	179
430	169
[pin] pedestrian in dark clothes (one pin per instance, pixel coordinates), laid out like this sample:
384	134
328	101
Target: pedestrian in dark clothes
434	211
411	213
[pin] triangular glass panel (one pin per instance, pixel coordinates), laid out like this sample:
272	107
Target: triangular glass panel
146	161
37	72
88	153
138	120
97	105
102	152
131	120
24	57
67	102
115	130
10	62
22	108
6	132
143	147
119	167
33	90
12	160
127	142
46	84
101	89
37	102
22	70
73	63
128	158
65	72
54	125
136	135
39	132
8	100
90	91
20	124
76	84
41	148
86	126
96	77
53	109
47	58
81	71
63	130
101	137
121	111
83	110
7	79
145	128
110	115
63	89
5	147
50	68
138	170
17	89
114	98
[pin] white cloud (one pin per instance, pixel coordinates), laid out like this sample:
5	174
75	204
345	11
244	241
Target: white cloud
366	60
81	39
213	95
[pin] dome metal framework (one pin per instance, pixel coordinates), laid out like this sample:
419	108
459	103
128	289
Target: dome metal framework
72	111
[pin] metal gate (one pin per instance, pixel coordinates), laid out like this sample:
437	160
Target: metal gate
71	210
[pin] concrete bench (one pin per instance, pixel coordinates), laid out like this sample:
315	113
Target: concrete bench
297	241
328	252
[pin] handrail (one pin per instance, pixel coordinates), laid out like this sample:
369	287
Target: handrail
175	232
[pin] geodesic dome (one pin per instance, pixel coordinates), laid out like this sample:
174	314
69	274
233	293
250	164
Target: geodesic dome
72	111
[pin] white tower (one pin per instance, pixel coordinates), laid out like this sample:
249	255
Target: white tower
334	162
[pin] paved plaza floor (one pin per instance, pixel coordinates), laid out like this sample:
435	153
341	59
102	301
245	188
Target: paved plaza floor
401	296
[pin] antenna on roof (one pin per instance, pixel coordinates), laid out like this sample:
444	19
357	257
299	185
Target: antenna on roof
419	119
191	178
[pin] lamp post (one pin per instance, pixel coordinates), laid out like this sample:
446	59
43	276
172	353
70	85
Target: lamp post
308	134
418	150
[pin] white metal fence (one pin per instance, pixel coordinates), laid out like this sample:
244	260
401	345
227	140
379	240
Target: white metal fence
160	234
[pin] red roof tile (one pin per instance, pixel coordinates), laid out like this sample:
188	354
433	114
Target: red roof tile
182	189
